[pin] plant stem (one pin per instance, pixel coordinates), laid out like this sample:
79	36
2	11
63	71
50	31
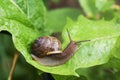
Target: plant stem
13	65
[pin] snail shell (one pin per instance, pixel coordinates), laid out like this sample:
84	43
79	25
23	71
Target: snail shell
44	46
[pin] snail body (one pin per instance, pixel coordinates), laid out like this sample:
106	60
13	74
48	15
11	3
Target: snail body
47	51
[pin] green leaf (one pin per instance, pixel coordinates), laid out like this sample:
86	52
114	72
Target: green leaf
29	12
34	10
102	34
22	36
22	39
57	18
10	11
108	71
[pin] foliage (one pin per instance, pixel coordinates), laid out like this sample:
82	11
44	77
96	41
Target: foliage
27	20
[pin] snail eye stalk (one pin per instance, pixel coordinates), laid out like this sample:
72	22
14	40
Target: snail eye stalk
69	35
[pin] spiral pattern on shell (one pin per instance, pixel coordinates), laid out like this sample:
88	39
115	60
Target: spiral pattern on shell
44	45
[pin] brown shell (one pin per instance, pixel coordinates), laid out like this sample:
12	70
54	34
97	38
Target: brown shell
45	44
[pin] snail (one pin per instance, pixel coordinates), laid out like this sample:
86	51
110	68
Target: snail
47	50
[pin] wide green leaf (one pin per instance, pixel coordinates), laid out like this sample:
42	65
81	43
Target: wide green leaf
103	36
22	39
